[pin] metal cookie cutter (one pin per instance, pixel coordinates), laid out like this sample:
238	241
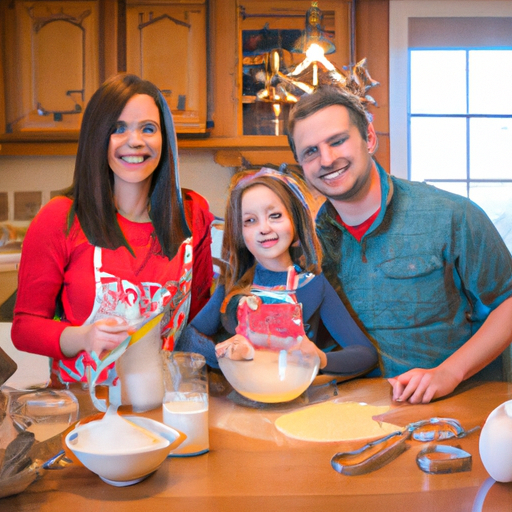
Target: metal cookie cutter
378	453
438	429
371	456
441	459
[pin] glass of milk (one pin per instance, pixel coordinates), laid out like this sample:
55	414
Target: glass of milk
185	403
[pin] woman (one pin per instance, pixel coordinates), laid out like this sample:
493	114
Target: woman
96	257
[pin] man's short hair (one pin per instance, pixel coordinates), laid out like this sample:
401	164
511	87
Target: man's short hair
323	97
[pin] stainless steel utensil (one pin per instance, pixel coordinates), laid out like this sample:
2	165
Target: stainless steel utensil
378	453
366	459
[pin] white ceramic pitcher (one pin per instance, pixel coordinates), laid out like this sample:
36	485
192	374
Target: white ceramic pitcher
496	443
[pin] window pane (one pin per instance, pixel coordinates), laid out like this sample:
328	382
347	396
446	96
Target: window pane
455	187
490	82
438	82
496	200
438	148
490	143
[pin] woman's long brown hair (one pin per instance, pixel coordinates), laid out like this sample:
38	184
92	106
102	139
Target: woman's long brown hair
93	182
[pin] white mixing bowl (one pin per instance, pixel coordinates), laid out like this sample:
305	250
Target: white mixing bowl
129	464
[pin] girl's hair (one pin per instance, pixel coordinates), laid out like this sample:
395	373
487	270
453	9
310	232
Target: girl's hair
93	182
293	192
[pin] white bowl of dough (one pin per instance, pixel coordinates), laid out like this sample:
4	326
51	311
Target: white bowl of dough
122	450
272	375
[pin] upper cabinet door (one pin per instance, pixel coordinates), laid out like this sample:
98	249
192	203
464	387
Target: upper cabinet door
274	36
166	44
58	52
51	65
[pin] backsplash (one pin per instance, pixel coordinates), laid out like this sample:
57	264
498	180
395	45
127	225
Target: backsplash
29	182
26	183
26	205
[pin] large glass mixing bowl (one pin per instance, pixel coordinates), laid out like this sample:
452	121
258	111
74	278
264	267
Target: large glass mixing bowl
272	376
279	372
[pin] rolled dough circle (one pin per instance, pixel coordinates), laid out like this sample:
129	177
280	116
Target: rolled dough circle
335	422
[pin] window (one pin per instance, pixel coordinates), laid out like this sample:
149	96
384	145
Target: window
451	107
460	126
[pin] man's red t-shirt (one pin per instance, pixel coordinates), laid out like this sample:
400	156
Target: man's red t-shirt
358	231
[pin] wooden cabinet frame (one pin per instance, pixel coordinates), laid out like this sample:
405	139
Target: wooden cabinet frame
166	44
370	39
17	27
226	95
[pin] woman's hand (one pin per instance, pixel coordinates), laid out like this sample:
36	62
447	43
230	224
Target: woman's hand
306	346
237	348
103	335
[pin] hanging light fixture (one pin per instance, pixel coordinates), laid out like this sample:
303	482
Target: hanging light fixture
316	46
315	69
282	88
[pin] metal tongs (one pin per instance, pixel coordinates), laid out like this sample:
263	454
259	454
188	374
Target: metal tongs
378	453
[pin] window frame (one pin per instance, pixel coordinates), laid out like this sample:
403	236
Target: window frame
399	13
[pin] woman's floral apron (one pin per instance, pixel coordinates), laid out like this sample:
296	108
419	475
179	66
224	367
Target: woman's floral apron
139	305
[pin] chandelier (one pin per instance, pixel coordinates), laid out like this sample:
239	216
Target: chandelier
286	87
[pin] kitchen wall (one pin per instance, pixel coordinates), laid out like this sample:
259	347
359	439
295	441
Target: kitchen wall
26	179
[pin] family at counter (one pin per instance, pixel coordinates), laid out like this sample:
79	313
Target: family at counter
412	283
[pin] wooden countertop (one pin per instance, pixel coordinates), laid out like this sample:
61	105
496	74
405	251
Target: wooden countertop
252	467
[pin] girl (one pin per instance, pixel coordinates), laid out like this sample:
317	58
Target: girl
124	230
268	228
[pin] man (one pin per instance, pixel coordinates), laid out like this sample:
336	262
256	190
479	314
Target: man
423	270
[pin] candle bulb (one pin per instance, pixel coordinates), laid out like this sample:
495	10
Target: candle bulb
277	111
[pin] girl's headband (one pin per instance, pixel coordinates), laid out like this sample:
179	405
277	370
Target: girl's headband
287	179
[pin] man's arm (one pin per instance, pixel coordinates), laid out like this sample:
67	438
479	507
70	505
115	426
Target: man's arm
421	386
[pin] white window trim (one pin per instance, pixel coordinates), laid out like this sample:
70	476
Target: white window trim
399	13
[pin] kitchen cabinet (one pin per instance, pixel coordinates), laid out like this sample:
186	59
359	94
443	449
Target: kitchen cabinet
50	66
274	37
359	29
58	52
192	49
166	44
235	113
